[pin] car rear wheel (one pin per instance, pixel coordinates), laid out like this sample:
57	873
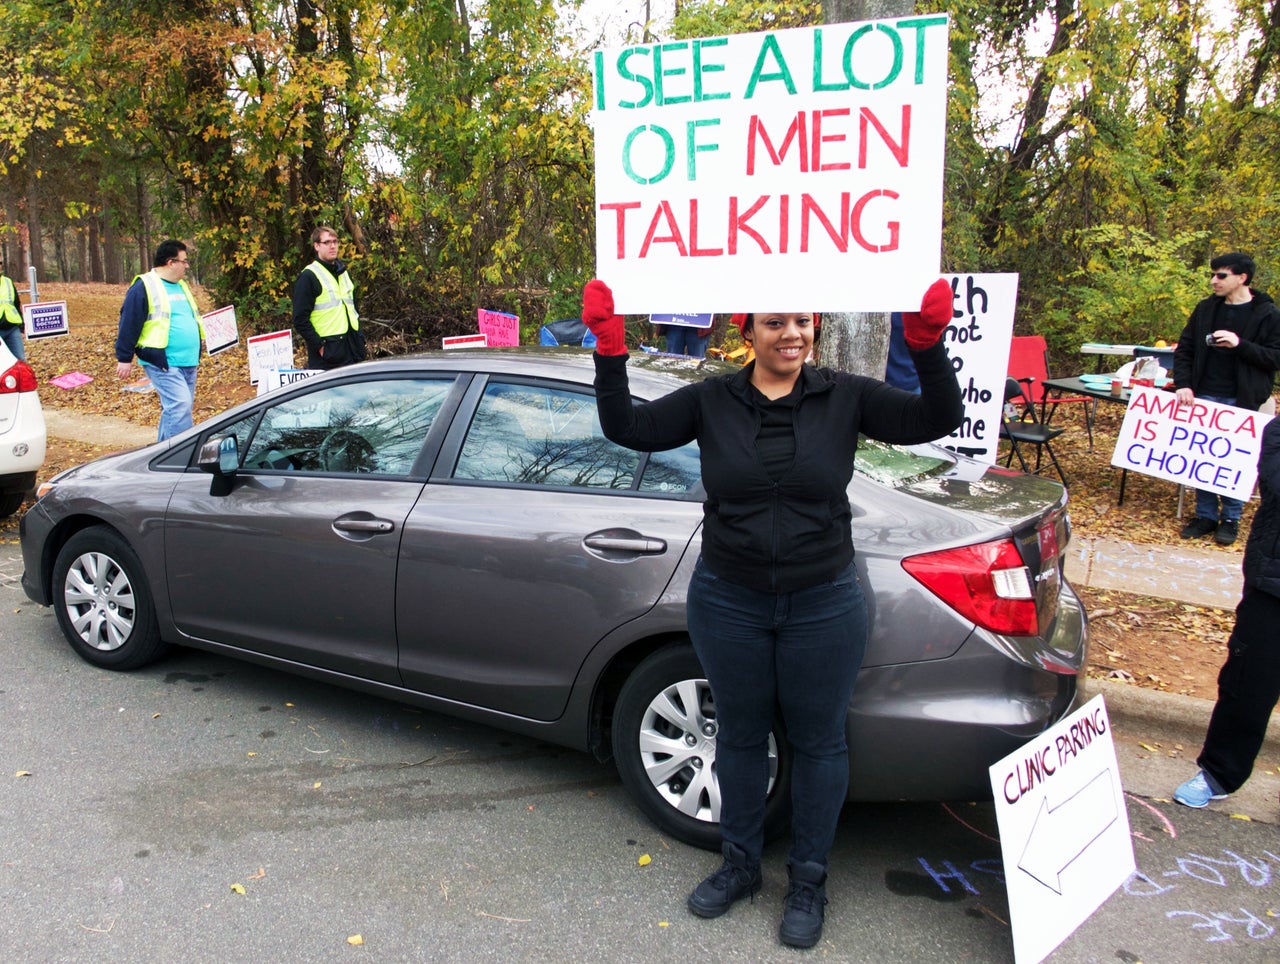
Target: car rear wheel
664	741
103	602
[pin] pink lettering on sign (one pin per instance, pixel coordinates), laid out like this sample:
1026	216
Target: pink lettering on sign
502	329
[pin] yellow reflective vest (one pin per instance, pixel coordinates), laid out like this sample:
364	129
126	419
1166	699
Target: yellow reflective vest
9	302
155	330
335	309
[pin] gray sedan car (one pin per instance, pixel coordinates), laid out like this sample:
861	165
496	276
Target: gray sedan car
453	531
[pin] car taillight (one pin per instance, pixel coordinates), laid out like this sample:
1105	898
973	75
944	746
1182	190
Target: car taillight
19	378
987	583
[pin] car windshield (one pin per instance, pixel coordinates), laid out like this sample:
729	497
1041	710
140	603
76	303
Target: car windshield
896	465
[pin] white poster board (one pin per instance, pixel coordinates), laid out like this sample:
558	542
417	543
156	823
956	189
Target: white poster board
978	341
270	352
1064	829
737	173
45	319
1203	445
279	378
220	331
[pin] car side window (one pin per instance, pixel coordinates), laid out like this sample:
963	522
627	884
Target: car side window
356	427
674	473
542	436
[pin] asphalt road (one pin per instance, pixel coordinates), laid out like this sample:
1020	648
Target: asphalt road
208	810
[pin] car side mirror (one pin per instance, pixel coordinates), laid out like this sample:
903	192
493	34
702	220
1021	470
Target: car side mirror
219	456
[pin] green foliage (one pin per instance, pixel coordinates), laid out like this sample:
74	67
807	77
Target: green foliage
1131	289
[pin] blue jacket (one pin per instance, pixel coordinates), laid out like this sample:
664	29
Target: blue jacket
1262	550
793	533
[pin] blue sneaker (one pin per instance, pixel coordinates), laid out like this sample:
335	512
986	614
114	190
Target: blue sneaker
1197	792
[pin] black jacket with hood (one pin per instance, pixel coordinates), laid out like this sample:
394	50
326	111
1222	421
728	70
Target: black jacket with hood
795	532
1257	357
1262	551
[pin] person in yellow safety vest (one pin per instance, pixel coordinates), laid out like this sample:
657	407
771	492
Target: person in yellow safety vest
11	317
324	307
160	323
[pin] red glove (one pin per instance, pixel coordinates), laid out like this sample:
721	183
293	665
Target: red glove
597	314
922	329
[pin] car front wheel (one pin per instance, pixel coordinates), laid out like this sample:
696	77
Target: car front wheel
664	741
103	602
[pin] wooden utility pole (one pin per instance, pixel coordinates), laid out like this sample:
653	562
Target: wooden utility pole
858	341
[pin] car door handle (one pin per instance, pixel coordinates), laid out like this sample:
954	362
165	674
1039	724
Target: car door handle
637	543
363	525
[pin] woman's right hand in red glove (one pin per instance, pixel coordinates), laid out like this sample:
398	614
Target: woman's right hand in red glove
597	314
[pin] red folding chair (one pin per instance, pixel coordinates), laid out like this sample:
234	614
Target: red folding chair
1029	364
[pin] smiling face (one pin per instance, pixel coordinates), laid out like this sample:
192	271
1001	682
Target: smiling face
782	343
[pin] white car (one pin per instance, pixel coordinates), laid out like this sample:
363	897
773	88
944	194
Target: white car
22	432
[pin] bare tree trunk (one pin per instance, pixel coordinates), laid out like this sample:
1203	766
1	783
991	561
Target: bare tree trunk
96	272
15	250
144	222
858	341
35	239
82	253
110	250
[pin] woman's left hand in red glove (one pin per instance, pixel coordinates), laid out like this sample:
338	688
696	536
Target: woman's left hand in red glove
922	329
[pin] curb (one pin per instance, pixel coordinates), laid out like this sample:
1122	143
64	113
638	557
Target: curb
1167	710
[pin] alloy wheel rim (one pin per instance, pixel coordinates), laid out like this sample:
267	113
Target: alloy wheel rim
99	601
677	741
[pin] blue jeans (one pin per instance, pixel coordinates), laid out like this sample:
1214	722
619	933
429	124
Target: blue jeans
1206	501
177	390
686	341
800	652
12	336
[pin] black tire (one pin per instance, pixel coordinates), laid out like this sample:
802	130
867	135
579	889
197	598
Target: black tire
10	502
103	601
665	718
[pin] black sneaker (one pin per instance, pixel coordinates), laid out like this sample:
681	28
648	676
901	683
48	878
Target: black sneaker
733	881
1198	527
1227	532
805	905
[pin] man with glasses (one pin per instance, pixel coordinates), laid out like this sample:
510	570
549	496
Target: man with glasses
324	307
160	323
1228	353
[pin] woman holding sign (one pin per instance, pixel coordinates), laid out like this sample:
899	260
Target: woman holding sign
775	610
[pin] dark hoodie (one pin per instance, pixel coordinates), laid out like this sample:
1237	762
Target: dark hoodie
1257	357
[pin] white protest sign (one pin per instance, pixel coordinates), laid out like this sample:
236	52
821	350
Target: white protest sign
270	352
279	378
739	173
220	330
1064	830
978	341
1203	445
44	319
450	342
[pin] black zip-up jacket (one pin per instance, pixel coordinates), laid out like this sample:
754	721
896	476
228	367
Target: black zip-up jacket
1257	357
1262	550
792	533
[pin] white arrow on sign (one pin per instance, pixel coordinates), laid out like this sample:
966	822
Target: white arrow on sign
1061	834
